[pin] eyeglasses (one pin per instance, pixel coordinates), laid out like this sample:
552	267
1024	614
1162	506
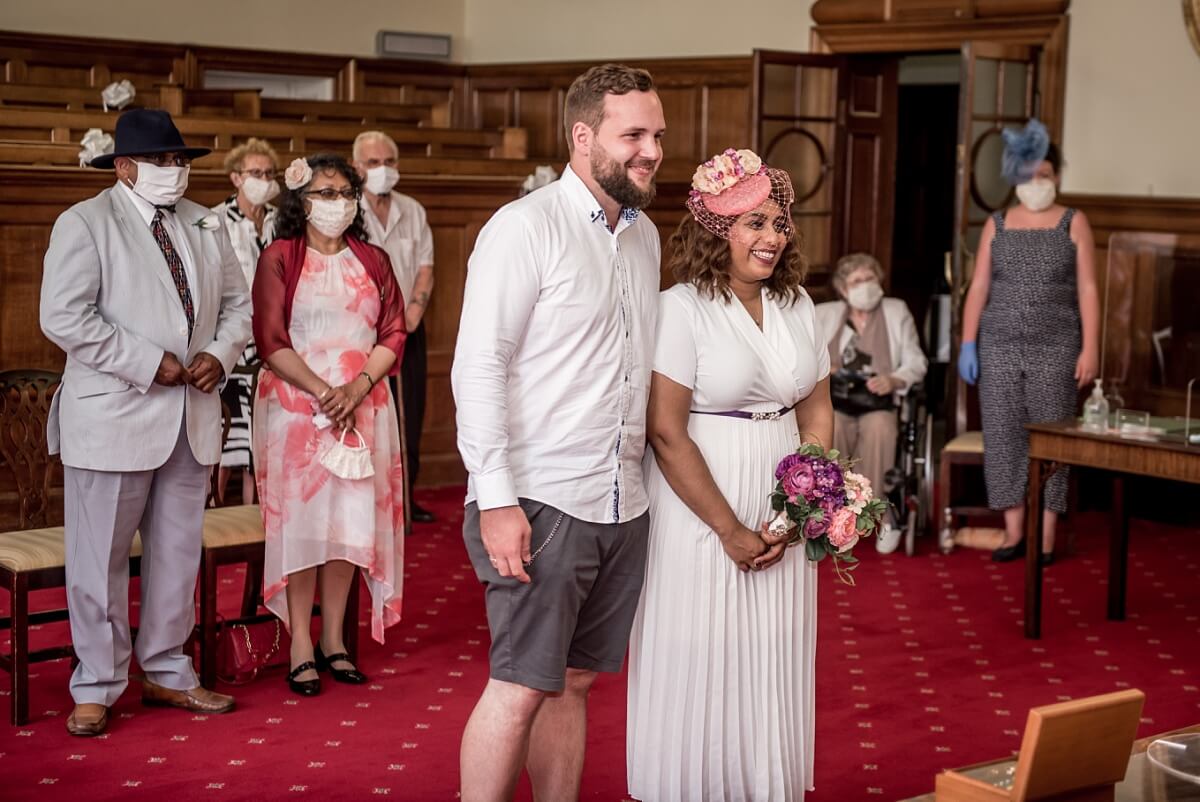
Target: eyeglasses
329	193
165	159
268	175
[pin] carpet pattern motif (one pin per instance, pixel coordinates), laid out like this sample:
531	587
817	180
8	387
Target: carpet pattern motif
922	666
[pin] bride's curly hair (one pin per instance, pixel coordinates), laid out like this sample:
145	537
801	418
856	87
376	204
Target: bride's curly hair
701	258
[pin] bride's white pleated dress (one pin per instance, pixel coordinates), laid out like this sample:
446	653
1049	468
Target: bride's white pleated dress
721	662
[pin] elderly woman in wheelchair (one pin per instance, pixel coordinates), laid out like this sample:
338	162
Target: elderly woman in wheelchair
875	359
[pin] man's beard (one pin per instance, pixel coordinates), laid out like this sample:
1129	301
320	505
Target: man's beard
612	177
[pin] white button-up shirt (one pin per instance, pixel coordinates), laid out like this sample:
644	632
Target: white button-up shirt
175	231
405	236
551	372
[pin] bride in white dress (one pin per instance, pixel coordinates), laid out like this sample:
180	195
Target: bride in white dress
721	660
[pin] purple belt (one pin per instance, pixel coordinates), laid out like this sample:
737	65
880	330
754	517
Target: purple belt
737	413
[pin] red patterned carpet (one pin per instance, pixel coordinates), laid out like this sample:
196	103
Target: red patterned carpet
922	666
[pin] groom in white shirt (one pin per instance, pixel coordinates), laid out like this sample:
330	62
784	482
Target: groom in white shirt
551	377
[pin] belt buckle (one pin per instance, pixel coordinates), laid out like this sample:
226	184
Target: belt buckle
764	415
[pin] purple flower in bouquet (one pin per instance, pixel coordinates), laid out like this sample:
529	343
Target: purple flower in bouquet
786	464
829	474
799	480
829	505
814	528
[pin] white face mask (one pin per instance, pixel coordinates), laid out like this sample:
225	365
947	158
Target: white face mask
1037	195
866	296
259	190
332	217
161	186
380	180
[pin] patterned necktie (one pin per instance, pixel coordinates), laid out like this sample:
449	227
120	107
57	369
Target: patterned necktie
176	264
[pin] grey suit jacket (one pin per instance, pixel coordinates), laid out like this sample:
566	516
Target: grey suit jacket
108	300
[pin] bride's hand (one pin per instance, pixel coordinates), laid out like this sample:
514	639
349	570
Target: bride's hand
743	546
777	545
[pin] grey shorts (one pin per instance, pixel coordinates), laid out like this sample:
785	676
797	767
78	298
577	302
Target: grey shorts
578	610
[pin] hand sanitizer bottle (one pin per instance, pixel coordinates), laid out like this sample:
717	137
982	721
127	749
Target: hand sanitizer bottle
1095	410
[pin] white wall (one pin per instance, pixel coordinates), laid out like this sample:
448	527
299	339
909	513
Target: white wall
1132	122
559	30
344	27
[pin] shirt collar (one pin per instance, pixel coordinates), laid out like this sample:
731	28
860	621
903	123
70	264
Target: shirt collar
584	200
144	207
393	215
233	209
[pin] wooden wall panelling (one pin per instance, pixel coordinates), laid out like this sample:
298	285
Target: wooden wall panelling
66	60
706	103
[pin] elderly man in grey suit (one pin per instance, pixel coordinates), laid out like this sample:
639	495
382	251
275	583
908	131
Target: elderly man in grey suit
148	301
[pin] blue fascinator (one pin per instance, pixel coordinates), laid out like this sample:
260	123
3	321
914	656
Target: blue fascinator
1024	151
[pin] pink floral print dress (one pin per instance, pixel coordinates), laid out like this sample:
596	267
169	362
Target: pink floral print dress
310	515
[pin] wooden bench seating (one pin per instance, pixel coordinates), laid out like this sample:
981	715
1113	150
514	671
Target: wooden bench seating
436	115
245	104
17	155
33	125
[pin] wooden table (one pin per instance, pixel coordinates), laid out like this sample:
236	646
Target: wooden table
1053	445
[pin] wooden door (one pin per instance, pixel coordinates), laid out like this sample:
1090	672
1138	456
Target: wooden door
998	89
872	123
798	125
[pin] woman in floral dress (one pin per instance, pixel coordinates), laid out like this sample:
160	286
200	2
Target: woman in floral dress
329	323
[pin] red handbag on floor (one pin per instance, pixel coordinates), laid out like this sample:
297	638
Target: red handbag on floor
245	649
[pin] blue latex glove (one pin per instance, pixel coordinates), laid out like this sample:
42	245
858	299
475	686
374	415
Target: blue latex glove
968	363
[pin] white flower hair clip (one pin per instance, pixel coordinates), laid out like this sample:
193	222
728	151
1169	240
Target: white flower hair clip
297	174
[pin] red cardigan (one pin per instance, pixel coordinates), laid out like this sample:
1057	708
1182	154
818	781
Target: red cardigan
278	275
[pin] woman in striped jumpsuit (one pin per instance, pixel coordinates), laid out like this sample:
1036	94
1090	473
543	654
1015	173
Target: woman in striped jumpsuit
1031	338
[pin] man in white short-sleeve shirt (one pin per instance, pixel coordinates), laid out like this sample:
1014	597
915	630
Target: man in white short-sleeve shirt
397	223
551	378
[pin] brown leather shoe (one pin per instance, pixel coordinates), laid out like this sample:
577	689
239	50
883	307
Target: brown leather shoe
87	719
198	699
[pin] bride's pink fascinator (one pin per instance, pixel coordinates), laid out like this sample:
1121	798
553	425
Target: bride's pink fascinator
734	183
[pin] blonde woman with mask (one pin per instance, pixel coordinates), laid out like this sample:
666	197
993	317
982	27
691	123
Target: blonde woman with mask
249	218
1031	329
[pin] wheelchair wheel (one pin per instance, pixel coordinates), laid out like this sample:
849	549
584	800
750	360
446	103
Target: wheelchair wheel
921	498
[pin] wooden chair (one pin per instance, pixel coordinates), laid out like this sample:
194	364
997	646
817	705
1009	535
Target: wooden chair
965	450
232	536
34	556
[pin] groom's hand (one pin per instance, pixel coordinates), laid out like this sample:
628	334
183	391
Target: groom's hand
506	533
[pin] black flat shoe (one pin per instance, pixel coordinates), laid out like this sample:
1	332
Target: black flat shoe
1047	558
350	676
1006	554
421	515
304	687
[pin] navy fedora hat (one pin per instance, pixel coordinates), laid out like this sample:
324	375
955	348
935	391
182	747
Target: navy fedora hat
141	132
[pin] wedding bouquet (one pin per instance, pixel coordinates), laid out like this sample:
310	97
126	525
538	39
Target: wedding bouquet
824	505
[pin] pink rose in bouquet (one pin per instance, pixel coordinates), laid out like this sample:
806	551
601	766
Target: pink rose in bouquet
800	480
843	530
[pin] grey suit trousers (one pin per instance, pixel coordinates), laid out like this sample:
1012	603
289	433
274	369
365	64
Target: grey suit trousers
104	509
